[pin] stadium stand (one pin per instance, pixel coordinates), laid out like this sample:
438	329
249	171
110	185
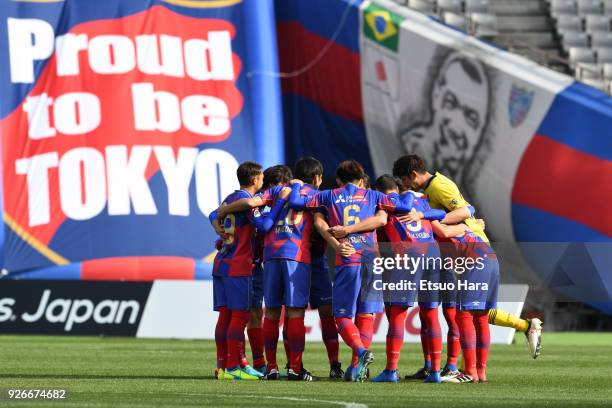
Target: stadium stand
571	36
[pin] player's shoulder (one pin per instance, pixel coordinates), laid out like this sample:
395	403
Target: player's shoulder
236	195
442	180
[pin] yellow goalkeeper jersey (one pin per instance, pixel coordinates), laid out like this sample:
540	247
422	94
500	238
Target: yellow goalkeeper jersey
444	194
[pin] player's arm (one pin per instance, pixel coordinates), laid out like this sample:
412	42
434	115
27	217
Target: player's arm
244	204
449	231
369	224
265	222
458	215
213	217
414	215
344	249
296	201
402	206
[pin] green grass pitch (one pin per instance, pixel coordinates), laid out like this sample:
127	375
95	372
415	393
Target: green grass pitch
575	369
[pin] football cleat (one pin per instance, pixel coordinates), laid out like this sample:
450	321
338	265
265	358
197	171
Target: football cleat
335	370
433	377
273	374
421	374
239	374
219	374
362	369
448	374
387	376
302	376
461	378
250	370
349	374
534	337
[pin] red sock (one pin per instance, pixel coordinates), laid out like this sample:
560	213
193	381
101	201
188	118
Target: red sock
425	338
349	333
270	337
223	321
286	337
235	335
297	337
329	334
453	347
395	335
483	341
434	337
365	324
257	347
467	335
243	358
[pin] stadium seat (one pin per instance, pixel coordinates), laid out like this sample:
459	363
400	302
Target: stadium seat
424	6
569	23
456	20
562	7
608	7
607	71
588	71
450	5
580	54
477	6
574	39
483	24
596	22
604	55
589	7
601	39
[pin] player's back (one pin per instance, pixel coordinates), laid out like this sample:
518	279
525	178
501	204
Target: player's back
406	236
291	236
235	258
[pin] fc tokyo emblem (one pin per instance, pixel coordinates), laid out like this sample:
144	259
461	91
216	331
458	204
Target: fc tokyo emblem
519	105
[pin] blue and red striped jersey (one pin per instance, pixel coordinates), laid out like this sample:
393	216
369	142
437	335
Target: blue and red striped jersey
348	205
291	236
235	258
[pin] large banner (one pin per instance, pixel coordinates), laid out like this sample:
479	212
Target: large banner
520	139
122	125
163	309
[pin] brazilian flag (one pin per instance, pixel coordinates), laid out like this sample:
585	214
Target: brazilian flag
382	26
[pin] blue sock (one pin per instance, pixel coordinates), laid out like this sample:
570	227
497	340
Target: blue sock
427	365
233	368
360	351
452	367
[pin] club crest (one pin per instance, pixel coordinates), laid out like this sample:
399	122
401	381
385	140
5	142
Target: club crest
519	105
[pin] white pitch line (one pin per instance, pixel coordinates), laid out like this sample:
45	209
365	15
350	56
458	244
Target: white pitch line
341	403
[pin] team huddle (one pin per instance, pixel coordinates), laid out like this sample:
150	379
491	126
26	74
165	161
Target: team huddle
274	234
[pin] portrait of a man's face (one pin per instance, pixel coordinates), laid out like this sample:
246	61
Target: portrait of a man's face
459	100
460	103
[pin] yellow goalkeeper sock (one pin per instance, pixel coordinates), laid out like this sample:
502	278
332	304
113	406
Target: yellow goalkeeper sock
500	317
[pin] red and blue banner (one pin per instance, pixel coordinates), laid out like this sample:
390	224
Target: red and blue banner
122	125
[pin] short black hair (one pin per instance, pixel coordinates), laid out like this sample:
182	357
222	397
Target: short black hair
468	66
405	165
306	168
400	185
349	170
276	174
246	171
385	183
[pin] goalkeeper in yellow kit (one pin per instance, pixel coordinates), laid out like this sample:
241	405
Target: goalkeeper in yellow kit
444	194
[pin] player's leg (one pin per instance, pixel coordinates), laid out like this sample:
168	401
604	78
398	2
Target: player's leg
453	347
531	327
254	326
467	337
396	316
238	292
297	292
346	287
223	320
429	300
481	323
321	299
273	293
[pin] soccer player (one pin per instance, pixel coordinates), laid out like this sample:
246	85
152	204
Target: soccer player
232	273
477	296
444	194
413	239
286	282
346	205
